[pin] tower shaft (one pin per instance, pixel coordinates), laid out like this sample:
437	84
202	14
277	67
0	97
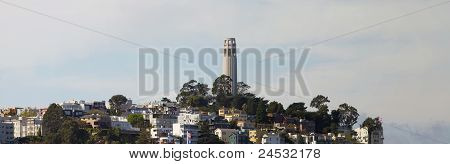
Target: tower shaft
230	62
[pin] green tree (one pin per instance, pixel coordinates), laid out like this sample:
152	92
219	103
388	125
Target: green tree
206	136
323	122
222	91
239	101
71	132
251	106
198	101
111	135
94	136
193	93
28	113
320	102
242	88
348	115
334	121
224	101
51	123
222	86
28	140
144	137
296	110
335	116
165	99
116	103
136	120
261	112
321	117
372	124
275	108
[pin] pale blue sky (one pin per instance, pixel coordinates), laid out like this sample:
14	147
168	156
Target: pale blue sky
398	70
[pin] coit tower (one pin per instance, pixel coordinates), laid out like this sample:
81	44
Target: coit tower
230	62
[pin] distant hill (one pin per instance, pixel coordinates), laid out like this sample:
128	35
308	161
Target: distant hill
434	133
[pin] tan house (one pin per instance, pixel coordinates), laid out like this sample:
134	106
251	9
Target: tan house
256	136
97	121
232	114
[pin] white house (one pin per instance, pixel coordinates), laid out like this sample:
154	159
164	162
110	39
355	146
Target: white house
71	105
188	118
362	136
122	123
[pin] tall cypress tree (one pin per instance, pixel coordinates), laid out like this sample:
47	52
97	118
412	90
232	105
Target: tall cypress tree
261	112
51	123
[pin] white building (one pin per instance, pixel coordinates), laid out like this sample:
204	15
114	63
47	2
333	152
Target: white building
85	106
71	105
188	118
122	123
362	136
271	138
162	124
24	127
188	132
314	138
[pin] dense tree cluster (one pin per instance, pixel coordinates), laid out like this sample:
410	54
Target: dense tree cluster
193	94
56	128
206	136
60	129
136	120
197	95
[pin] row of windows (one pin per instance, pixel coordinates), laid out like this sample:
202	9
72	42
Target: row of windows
3	132
7	127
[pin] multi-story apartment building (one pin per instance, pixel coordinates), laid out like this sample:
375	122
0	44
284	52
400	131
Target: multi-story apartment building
187	132
24	126
188	118
16	127
72	108
162	124
6	130
100	105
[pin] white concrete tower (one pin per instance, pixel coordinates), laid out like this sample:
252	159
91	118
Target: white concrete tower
230	62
